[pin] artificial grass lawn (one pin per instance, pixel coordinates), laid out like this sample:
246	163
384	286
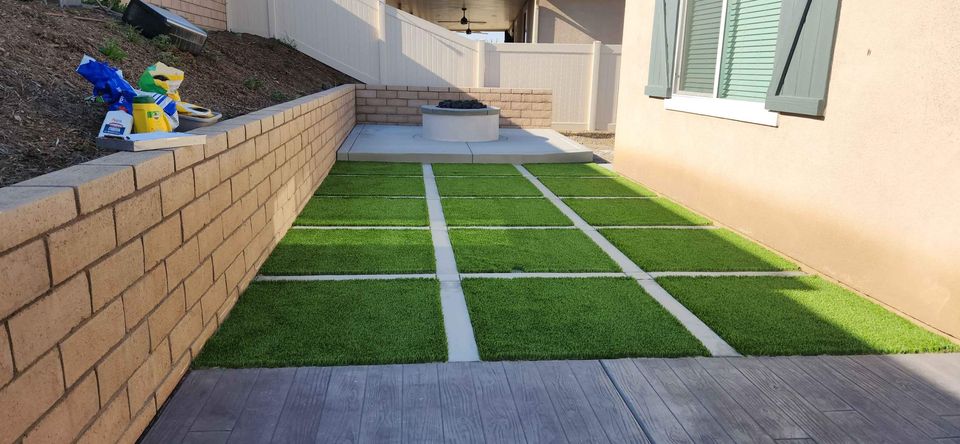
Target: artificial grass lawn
306	252
798	316
364	211
657	249
486	186
287	324
594	187
530	251
657	211
572	319
503	212
371	186
377	168
568	170
474	169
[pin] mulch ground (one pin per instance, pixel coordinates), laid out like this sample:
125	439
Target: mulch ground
47	124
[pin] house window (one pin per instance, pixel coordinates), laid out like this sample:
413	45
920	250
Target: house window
725	57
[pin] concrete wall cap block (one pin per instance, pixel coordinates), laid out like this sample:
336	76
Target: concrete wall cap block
148	166
26	212
185	156
96	186
377	87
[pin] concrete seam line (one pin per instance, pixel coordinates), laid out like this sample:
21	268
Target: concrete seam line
659	274
360	196
709	338
486	227
540	275
342	277
461	342
657	227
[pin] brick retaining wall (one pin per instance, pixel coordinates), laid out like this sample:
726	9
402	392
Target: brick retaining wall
207	14
114	273
519	108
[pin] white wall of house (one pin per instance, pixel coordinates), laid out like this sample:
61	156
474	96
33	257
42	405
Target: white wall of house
378	44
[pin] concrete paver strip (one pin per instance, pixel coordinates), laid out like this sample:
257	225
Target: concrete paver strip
710	339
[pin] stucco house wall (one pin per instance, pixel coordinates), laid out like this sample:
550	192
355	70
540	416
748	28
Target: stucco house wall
868	195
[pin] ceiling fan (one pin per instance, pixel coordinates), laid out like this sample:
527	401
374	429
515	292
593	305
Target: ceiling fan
463	21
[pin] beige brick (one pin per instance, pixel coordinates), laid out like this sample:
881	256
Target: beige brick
181	263
366	93
177	191
166	316
227	306
6	358
144	295
44	323
220	198
197	283
114	371
234	272
88	344
195	215
146	379
110	424
213	299
407	95
206	175
116	273
216	143
172	379
27	267
397	102
186	156
96	185
138	213
79	244
209	329
28	396
68	418
186	331
161	240
26	212
138	424
210	238
148	166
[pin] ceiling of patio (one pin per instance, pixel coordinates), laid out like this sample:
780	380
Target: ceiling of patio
497	13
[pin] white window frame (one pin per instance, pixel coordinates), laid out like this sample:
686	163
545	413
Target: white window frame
714	106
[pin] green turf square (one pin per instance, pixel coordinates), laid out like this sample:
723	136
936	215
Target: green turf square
364	211
307	252
371	186
594	187
656	249
798	316
572	319
486	186
488	212
377	168
568	170
612	212
474	169
531	251
290	324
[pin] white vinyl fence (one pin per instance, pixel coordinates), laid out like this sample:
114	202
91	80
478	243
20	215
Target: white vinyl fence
378	44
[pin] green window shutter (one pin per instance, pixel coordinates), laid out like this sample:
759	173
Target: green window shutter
662	48
749	46
804	53
701	42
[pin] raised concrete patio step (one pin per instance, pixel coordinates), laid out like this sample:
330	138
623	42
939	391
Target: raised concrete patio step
395	143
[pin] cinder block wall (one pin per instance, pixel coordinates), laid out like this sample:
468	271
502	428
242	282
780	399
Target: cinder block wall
400	105
114	273
207	14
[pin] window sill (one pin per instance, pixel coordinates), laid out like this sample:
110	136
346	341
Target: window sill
743	111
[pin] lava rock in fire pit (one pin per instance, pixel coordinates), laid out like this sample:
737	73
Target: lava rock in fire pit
461	104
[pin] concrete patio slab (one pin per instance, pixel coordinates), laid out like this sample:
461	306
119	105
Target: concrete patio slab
395	143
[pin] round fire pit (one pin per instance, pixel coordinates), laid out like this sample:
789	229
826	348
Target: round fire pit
461	125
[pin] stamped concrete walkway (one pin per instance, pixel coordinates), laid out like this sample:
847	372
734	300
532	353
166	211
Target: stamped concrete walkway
899	399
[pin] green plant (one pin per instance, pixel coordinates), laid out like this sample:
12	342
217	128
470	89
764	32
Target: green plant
169	58
278	96
162	42
130	33
252	83
112	51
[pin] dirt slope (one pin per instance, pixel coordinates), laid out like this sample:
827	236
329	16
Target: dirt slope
45	123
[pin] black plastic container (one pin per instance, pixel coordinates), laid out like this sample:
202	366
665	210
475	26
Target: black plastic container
153	21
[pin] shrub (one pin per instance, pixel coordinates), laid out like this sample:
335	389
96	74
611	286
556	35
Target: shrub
162	42
252	83
278	96
112	51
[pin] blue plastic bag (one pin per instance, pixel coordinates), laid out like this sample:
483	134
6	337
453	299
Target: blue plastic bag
108	83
